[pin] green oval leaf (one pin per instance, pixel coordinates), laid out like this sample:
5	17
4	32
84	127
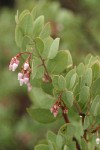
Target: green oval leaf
39	45
96	70
59	141
55	81
84	95
80	69
38	26
41	115
18	36
46	31
41	147
95	106
51	136
59	63
95	88
69	76
23	13
68	98
26	25
73	80
41	99
61	83
54	48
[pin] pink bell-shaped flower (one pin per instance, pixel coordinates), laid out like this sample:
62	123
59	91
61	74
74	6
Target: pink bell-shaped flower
26	66
13	64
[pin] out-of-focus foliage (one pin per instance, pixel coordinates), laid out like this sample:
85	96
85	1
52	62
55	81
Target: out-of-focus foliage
78	32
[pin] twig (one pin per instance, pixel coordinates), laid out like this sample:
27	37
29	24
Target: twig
47	73
95	130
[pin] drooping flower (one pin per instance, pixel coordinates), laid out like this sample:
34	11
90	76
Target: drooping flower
55	108
13	63
24	75
26	66
20	75
23	78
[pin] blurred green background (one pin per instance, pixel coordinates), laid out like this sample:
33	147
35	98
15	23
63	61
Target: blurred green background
77	23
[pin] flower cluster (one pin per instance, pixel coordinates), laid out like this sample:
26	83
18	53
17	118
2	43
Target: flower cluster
55	108
24	75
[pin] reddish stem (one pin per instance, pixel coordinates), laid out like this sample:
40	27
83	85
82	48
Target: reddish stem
47	73
95	130
65	115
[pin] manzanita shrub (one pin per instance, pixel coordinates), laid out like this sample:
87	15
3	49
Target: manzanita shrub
59	89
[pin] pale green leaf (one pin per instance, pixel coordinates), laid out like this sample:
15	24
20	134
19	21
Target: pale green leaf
86	122
33	13
55	81
70	61
18	36
69	76
41	99
84	144
96	70
68	98
95	88
26	41
88	77
41	115
26	25
38	26
73	80
95	106
59	63
23	13
61	83
46	31
39	46
54	49
59	141
37	68
80	69
84	95
51	136
47	43
41	147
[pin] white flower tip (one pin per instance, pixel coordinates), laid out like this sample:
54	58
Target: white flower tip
20	75
14	66
97	140
26	66
21	82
